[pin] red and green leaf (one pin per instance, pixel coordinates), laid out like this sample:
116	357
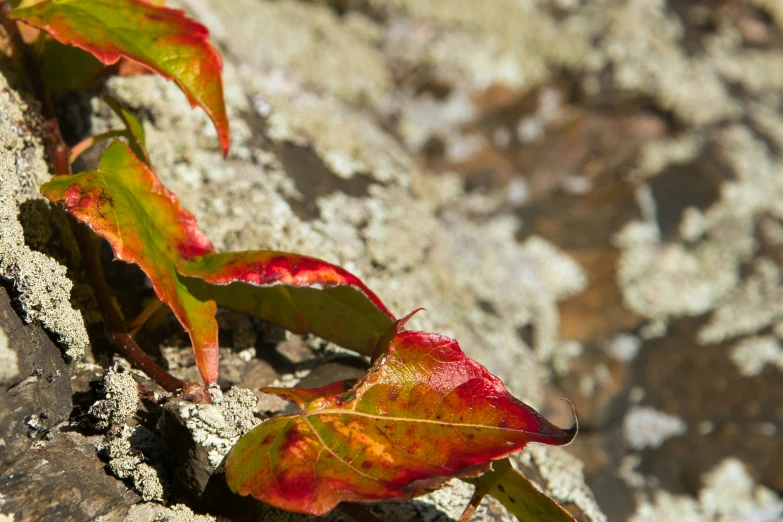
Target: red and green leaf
518	495
303	294
163	39
424	413
125	203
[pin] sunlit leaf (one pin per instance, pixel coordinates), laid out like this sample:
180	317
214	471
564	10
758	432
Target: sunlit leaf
125	203
163	39
303	294
518	495
424	413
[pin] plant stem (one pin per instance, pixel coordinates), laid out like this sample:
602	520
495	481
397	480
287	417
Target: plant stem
58	152
470	509
86	143
144	316
116	329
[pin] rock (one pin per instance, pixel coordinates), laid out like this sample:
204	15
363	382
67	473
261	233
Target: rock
137	455
63	480
43	287
35	388
198	436
121	398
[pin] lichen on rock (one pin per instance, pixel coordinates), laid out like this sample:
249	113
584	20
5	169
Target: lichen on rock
219	425
137	454
44	289
120	400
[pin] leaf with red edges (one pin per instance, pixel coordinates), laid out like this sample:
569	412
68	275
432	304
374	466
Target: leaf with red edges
518	495
163	39
303	294
424	413
125	203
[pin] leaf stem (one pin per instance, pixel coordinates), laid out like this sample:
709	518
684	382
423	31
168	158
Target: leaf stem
116	329
86	143
144	316
475	500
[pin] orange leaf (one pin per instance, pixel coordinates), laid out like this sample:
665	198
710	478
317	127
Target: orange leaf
423	414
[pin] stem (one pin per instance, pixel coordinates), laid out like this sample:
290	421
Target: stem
86	143
470	509
116	330
144	316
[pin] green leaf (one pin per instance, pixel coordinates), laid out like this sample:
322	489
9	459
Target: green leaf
125	203
303	294
163	39
423	414
518	495
135	132
67	68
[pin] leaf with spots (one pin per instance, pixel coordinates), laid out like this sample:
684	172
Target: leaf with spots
303	294
125	203
160	38
424	413
518	495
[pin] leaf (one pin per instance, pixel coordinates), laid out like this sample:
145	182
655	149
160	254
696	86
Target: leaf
67	68
424	413
518	495
135	132
303	294
125	203
163	39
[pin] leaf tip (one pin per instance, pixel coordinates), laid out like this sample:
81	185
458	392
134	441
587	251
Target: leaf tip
573	430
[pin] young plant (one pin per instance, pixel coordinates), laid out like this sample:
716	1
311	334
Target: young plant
422	414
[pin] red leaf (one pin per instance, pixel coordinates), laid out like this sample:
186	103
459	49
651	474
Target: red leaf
125	203
163	39
303	294
424	413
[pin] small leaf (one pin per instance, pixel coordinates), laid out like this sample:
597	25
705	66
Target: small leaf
163	39
303	294
135	132
125	203
424	413
518	495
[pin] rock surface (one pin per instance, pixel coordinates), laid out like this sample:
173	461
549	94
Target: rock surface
35	388
63	480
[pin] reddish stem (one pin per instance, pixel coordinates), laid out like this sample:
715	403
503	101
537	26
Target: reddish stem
116	330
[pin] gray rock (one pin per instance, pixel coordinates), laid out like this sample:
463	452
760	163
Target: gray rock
36	395
63	480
